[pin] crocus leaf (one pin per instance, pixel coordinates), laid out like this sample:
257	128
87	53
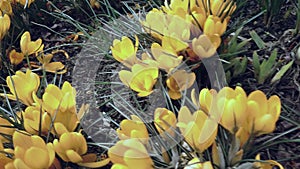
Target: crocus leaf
282	71
258	41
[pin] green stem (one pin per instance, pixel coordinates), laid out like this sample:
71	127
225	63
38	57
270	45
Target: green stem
28	61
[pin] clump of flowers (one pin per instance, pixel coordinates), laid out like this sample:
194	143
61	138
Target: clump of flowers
189	134
53	116
189	32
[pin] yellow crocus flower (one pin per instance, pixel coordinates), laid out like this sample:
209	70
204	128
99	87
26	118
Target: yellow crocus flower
70	147
173	44
127	154
222	8
5	24
29	47
171	25
165	122
203	47
61	106
15	57
5	7
214	25
266	164
196	164
205	100
33	117
27	148
232	104
150	24
53	67
166	59
141	78
179	81
23	86
194	128
124	51
134	128
262	113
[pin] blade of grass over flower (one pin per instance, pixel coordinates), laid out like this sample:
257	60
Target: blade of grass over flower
11	113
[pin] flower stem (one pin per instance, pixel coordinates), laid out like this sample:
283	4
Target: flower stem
28	61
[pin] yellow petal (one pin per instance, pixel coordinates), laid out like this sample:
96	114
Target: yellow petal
95	164
40	156
18	163
73	156
135	159
60	128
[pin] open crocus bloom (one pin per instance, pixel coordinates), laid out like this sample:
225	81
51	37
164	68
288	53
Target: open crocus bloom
194	128
205	100
5	7
127	154
262	113
29	47
36	120
178	82
134	128
173	44
28	148
53	67
203	47
165	122
23	86
141	78
166	59
124	51
70	147
15	57
5	24
214	25
232	104
170	25
61	105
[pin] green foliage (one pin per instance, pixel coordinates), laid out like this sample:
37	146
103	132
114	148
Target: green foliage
235	65
272	8
266	68
282	71
258	41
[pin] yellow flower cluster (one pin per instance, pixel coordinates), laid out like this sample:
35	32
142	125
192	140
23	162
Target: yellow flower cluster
241	115
187	30
145	70
197	21
55	113
28	48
